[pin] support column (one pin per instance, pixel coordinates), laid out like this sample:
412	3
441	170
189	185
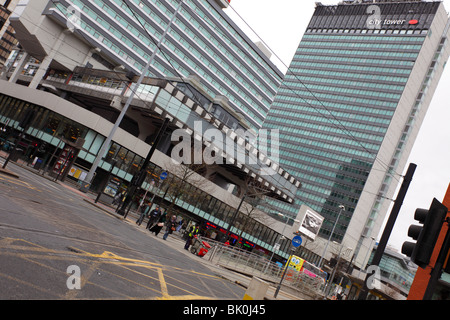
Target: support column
47	60
20	65
40	72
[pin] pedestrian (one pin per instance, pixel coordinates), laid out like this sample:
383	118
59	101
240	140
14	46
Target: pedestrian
153	217
193	231
158	226
144	213
180	224
170	226
117	198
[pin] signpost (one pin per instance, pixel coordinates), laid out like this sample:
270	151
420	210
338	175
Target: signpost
296	242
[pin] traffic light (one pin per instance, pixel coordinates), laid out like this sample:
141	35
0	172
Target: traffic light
426	235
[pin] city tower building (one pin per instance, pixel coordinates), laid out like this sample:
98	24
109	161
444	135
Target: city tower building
350	107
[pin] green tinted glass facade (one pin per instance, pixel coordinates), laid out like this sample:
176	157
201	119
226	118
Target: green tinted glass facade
335	106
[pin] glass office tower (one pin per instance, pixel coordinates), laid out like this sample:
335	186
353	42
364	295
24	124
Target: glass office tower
350	107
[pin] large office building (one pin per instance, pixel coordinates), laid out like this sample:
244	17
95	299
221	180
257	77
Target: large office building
79	63
351	105
198	38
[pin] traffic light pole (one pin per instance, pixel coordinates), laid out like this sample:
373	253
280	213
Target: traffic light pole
139	177
389	226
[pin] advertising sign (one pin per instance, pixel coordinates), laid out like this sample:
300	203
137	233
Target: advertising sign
310	222
296	263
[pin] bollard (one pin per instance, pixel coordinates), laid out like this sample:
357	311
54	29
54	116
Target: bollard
256	290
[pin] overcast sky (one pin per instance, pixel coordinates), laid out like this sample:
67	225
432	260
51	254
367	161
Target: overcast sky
280	25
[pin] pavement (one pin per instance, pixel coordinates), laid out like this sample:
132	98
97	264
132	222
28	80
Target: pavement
174	241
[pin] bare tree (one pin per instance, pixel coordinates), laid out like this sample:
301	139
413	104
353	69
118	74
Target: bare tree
184	184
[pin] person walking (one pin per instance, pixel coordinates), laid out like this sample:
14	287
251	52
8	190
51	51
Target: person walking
170	226
117	198
153	217
158	226
193	231
144	213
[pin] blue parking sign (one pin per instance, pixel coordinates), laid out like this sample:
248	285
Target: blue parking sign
297	241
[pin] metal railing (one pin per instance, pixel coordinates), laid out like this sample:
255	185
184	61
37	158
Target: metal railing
255	265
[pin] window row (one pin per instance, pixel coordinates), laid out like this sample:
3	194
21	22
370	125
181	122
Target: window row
352	67
375	46
354	60
357	53
372	31
296	89
327	129
303	75
340	90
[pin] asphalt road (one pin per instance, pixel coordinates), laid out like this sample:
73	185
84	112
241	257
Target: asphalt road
54	245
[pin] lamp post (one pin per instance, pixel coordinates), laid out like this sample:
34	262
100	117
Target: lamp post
327	288
282	232
107	141
341	208
277	244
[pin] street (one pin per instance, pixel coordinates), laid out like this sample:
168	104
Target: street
55	245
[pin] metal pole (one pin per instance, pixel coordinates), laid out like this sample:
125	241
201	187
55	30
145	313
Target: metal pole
341	208
389	226
142	172
106	143
273	248
228	230
282	277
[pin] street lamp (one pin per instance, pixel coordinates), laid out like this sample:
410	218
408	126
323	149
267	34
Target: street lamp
278	244
105	145
341	208
327	288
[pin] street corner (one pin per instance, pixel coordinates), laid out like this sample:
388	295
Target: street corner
9	173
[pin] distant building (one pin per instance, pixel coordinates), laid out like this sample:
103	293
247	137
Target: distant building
7	38
397	274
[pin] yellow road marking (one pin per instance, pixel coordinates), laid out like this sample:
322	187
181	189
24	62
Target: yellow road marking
162	282
81	256
19	182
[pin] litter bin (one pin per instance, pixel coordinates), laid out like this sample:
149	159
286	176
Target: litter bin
37	163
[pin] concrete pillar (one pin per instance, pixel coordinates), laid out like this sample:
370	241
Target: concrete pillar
40	72
256	290
47	60
20	65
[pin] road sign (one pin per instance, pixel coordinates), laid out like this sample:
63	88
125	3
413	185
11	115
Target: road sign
297	241
163	175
